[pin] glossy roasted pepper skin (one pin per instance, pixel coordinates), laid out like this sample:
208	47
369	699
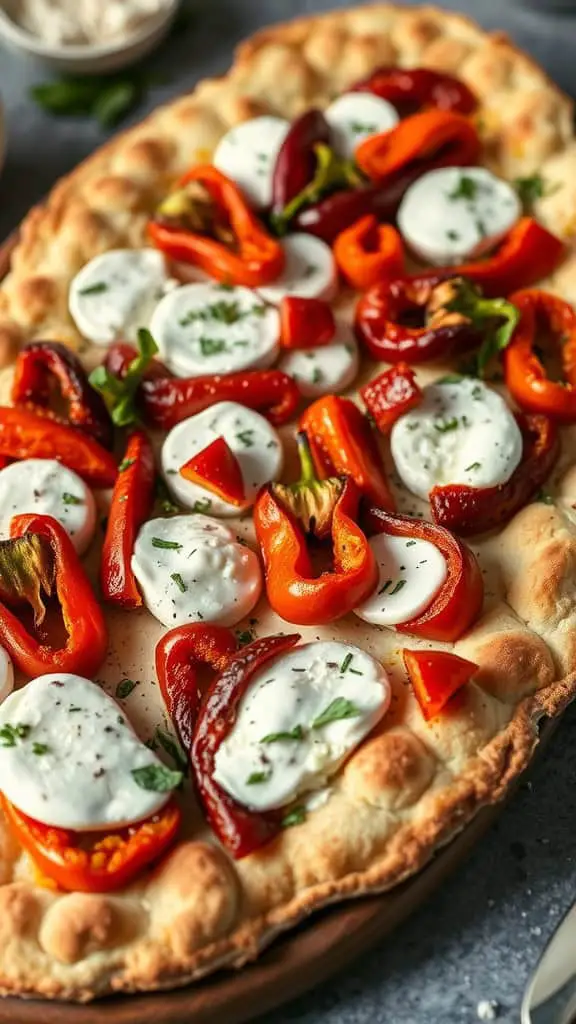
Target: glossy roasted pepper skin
305	322
367	252
390	395
26	435
550	319
412	89
433	138
436	676
41	365
296	161
471	510
216	469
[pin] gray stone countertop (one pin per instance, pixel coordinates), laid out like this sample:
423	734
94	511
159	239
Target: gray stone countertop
479	936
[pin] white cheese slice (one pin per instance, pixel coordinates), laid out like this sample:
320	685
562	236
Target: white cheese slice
278	747
326	370
68	753
309	271
193	569
461	433
206	328
116	292
255	443
411	572
247	154
356	116
454	214
46	487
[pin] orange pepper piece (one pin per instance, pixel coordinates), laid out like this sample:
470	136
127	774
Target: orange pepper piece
367	252
435	676
434	138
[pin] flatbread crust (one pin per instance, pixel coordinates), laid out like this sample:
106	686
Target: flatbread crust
411	786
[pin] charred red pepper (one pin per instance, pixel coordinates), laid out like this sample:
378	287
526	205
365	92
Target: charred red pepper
27	435
284	517
331	174
434	138
459	600
45	368
469	510
548	318
296	161
217	469
342	441
411	89
367	252
435	677
212	226
390	395
131	503
329	216
38	563
305	323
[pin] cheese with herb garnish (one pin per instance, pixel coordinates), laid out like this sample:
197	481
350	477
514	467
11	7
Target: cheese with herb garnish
247	154
354	117
412	572
309	271
46	487
326	370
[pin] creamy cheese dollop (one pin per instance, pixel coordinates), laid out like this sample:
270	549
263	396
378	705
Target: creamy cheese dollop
355	116
302	716
78	22
411	572
193	569
115	293
247	154
462	432
326	370
46	487
455	214
206	328
70	758
309	270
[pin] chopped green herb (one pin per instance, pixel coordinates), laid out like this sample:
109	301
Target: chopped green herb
125	464
297	733
338	709
73	708
156	778
473	465
94	289
309	270
453	236
172	748
544	497
477	392
40	748
202	505
163	496
244	637
169	545
450	378
410	543
360	128
212	346
317	376
246	437
446	425
10	734
71	499
179	582
345	663
294	817
257	777
529	190
398	587
466	188
125	687
120	394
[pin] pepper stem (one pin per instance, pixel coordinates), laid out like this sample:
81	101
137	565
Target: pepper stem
310	499
307	468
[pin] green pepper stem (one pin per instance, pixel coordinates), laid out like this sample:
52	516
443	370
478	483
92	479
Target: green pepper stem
307	468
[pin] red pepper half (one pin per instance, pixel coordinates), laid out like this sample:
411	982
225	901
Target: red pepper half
217	469
390	395
459	600
45	367
305	323
131	503
544	317
410	89
434	138
435	677
26	435
39	562
296	161
367	252
469	510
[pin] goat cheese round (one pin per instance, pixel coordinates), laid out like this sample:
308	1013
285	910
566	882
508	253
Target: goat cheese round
205	328
302	716
411	574
247	154
193	569
116	292
454	214
309	271
254	442
46	487
461	433
356	116
70	758
6	674
326	370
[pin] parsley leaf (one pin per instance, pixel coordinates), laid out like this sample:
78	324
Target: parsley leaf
120	393
338	709
294	817
297	733
156	778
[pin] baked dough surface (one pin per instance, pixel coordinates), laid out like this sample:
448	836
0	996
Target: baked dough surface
411	786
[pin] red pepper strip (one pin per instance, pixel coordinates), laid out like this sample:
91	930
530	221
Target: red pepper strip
240	830
434	138
87	635
330	216
305	323
26	435
342	441
98	861
469	510
459	600
256	257
180	654
526	377
390	395
414	88
40	365
435	677
217	469
296	161
131	503
367	251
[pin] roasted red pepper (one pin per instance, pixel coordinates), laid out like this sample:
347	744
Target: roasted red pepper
40	562
283	517
331	174
342	441
131	503
97	861
26	435
217	469
240	830
44	368
459	600
435	677
328	217
434	138
469	510
411	89
218	232
296	161
305	323
548	318
367	252
390	395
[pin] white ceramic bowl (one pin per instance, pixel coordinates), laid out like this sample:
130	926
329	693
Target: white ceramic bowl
87	58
